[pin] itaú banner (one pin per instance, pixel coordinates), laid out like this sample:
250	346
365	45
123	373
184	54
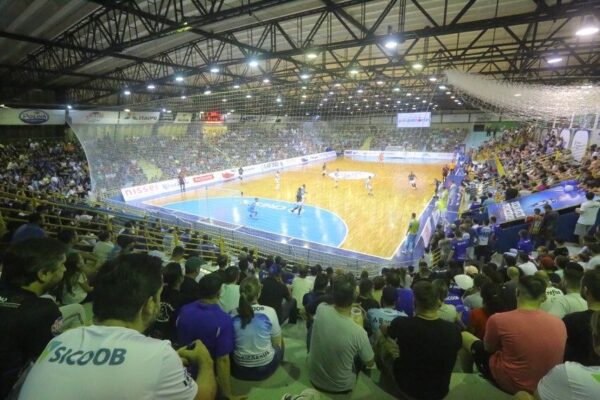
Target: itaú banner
383	155
31	116
197	181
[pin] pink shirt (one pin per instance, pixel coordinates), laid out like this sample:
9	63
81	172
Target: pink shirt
529	343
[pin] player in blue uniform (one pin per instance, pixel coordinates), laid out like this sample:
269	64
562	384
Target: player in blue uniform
252	208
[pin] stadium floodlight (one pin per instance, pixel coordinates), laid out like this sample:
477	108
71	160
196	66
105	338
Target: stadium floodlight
278	99
554	60
179	78
248	96
432	79
517	94
151	87
311	55
69	106
214	69
588	28
448	92
359	91
442	87
253	63
127	110
224	100
353	71
127	92
236	86
164	110
183	97
396	89
266	80
408	94
337	85
417	65
305	75
207	91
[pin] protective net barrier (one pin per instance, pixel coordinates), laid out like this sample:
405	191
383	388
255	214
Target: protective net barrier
155	141
528	101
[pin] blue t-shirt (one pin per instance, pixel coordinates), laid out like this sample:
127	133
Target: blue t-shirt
405	301
483	235
525	245
209	324
459	246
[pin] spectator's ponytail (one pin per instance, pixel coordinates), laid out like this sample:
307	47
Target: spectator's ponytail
249	291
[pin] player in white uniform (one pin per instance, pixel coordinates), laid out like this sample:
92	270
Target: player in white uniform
412	180
369	185
277	180
336	177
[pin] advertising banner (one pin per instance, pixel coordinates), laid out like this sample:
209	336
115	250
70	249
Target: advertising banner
455	118
579	144
138	117
31	116
413	120
382	155
93	117
196	181
183	118
565	195
565	134
232	118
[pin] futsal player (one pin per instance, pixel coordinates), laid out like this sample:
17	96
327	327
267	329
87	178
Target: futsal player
277	180
181	178
252	208
412	180
369	186
411	234
299	201
336	177
324	170
304	192
241	174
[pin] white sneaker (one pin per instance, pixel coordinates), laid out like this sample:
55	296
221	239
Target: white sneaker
306	394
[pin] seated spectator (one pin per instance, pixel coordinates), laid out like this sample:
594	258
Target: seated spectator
190	290
378	284
74	287
594	260
125	245
204	320
103	247
492	303
31	268
301	285
177	256
276	295
552	293
427	348
571	380
259	346
170	304
446	312
519	346
208	250
474	299
572	301
230	292
579	345
385	314
127	299
31	229
312	300
333	363
525	264
404	296
365	295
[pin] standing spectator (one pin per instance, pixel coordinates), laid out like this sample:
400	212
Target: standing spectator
427	345
27	321
519	346
535	222
411	234
572	301
301	285
170	304
549	224
127	300
332	362
365	295
31	229
204	320
482	249
259	346
190	290
579	336
177	256
459	249
230	292
276	295
588	211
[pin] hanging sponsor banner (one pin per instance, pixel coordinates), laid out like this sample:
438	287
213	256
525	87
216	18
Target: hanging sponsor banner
196	181
579	144
183	117
565	134
413	120
93	117
233	118
250	118
138	117
31	116
566	194
455	118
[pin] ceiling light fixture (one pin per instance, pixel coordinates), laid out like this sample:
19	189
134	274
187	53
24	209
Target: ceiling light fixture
207	91
417	65
127	92
151	87
442	87
236	86
214	69
432	79
127	110
588	27
179	78
554	60
396	89
253	63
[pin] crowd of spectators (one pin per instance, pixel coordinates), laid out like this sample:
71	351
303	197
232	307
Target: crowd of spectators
419	139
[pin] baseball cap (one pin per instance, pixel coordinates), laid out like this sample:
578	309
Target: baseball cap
463	281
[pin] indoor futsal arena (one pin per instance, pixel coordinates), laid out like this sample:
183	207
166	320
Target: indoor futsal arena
299	199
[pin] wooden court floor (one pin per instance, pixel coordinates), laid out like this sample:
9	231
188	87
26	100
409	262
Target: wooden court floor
376	224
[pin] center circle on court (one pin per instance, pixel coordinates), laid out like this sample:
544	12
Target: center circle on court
352	175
